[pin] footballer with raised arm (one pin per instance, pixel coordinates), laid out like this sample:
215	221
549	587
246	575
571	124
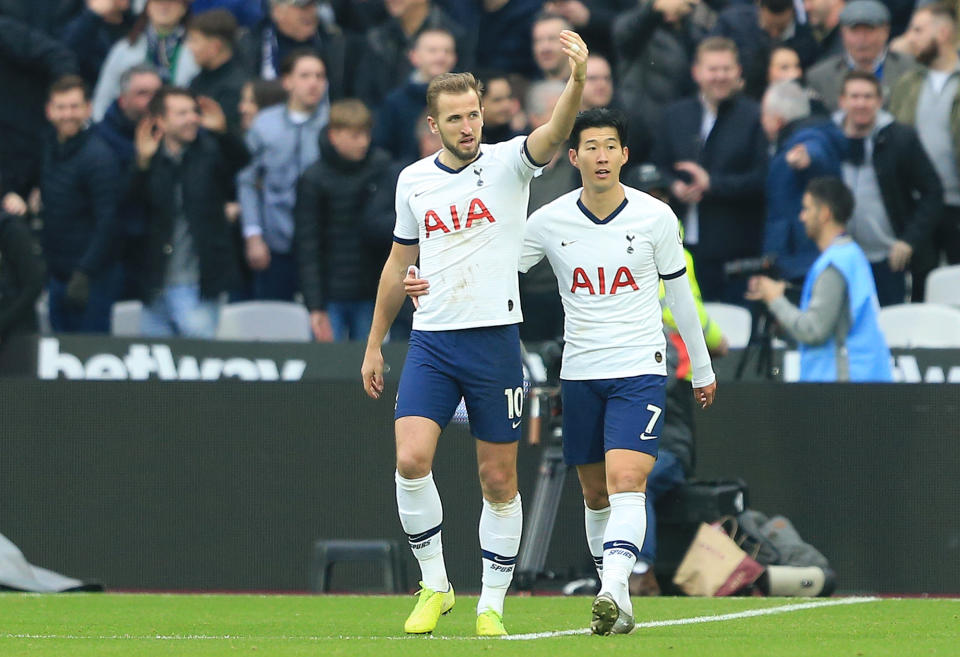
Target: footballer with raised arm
462	212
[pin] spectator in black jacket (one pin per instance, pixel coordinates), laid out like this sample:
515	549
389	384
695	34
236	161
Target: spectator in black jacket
186	163
93	32
80	186
433	53
757	29
898	198
137	87
339	260
591	19
655	43
21	278
210	37
295	25
712	148
29	63
384	65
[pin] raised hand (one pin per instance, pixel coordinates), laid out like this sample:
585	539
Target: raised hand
211	115
576	49
147	140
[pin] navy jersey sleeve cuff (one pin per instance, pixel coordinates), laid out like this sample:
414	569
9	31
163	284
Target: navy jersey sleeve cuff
676	274
526	153
405	241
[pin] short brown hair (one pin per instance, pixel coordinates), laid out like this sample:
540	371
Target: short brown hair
451	83
158	104
216	23
864	76
350	113
69	83
717	44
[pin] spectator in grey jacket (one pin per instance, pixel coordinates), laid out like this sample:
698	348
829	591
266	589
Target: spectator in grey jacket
283	141
865	28
158	38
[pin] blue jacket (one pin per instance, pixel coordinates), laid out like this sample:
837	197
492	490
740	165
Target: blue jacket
867	352
280	150
784	236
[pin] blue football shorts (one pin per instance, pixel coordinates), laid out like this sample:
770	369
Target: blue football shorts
604	414
482	366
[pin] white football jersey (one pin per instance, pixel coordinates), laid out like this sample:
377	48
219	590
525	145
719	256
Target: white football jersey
469	224
608	272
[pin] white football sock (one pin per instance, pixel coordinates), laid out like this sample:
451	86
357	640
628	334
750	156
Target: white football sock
595	522
622	541
501	524
421	515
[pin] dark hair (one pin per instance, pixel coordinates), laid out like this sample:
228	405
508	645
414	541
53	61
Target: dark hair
216	23
158	104
140	25
69	83
777	6
831	192
598	117
865	76
489	75
290	61
545	16
267	93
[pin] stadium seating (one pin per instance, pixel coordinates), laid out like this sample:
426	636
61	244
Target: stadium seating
735	322
125	318
943	286
280	321
924	325
386	553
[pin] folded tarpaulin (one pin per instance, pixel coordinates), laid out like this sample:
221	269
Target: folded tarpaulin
16	574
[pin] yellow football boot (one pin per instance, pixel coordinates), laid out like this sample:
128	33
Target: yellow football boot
431	605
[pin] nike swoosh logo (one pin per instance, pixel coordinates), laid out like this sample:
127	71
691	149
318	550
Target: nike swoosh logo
566	243
517	424
416	194
644	436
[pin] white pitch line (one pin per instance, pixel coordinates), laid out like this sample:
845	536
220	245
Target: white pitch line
766	611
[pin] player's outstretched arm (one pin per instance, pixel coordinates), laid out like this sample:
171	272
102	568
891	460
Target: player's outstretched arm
684	309
390	297
544	141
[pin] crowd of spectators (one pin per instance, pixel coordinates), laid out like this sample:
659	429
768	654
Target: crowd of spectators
187	152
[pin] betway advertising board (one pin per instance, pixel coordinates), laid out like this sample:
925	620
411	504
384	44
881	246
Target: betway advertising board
99	358
103	358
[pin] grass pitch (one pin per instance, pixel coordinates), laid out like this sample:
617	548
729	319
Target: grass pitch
127	624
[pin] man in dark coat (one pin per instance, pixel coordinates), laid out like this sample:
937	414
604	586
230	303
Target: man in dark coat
80	186
186	165
713	151
21	278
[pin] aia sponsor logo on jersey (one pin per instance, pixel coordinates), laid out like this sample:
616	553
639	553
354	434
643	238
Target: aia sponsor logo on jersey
598	285
477	211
